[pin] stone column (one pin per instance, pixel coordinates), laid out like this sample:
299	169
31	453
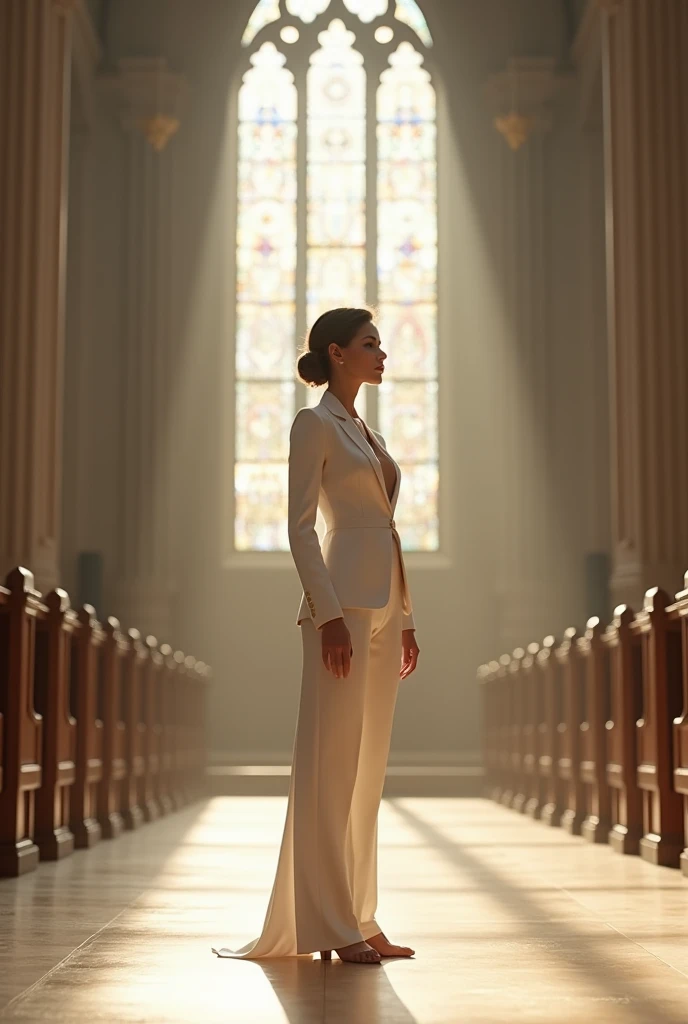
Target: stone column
646	165
35	69
591	357
148	96
523	395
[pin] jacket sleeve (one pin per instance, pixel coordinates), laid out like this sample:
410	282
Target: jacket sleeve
306	460
406	620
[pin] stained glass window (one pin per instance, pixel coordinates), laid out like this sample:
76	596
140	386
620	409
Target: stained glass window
311	237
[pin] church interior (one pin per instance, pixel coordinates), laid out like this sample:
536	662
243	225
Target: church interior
185	186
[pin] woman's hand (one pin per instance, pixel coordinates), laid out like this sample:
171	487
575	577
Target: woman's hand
409	652
336	647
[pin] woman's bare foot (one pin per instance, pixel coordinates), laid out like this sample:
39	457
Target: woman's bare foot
359	953
381	943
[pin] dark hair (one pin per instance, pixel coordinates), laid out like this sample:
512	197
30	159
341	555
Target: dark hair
337	325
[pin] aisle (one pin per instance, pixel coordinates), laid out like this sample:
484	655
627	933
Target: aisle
511	921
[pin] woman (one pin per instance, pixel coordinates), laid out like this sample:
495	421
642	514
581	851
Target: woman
356	621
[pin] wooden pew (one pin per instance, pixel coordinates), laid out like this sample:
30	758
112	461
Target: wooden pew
20	606
134	668
87	707
149	783
179	753
623	648
55	626
188	691
662	690
530	733
679	613
568	656
554	787
487	681
513	795
502	732
113	780
203	676
4	675
593	739
166	796
542	740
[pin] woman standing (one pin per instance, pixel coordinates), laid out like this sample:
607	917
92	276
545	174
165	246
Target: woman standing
356	628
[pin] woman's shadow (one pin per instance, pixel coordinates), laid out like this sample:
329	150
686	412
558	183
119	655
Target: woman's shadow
311	990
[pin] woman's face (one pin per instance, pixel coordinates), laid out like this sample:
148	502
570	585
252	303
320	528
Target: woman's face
363	358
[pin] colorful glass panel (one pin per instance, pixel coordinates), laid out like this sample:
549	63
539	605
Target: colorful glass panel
336	277
266	296
260	496
336	108
407	287
367	10
265	341
307	10
264	411
416	514
408	334
407	414
410	13
265	12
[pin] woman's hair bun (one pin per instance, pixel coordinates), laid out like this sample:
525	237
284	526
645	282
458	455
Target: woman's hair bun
311	370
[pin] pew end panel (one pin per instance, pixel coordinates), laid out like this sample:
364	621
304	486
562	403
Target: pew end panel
166	777
487	678
4	676
114	775
133	675
679	612
659	637
23	727
148	781
87	706
514	795
542	740
554	787
568	656
502	732
55	627
203	683
626	708
593	765
530	733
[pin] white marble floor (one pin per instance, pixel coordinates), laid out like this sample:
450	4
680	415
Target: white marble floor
511	921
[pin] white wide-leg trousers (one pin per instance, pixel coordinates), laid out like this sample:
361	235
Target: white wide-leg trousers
325	891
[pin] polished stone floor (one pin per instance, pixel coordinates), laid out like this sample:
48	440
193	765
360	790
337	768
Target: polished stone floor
511	922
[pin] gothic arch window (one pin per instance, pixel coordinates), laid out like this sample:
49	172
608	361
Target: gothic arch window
336	205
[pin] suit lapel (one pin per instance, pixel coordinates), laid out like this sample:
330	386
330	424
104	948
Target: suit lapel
341	416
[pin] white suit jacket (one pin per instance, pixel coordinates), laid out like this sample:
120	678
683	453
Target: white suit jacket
332	465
